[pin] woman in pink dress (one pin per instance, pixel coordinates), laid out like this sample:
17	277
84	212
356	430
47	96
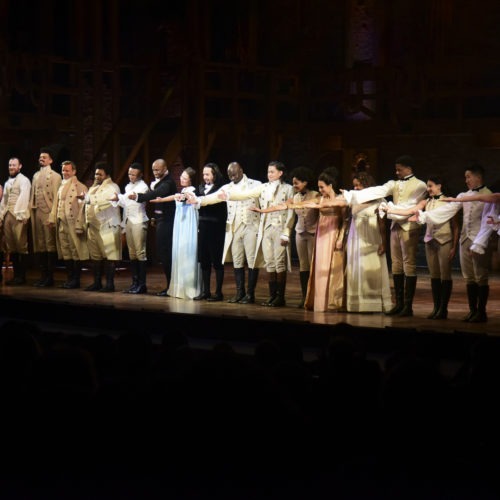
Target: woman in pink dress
325	291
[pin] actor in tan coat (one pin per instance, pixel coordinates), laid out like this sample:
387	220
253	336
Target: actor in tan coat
68	218
44	187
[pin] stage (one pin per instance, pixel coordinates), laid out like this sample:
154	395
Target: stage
209	322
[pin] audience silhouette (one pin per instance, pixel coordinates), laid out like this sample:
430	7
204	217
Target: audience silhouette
166	417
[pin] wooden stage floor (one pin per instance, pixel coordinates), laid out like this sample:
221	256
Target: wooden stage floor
118	312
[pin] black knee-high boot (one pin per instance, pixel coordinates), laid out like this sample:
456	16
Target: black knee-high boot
472	294
134	267
279	301
273	286
22	259
239	277
19	265
399	293
70	271
304	280
436	296
446	287
482	299
97	284
253	276
43	265
51	266
74	282
110	277
141	278
410	287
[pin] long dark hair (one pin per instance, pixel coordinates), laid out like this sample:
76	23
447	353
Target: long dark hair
304	174
330	176
192	174
437	179
218	177
365	179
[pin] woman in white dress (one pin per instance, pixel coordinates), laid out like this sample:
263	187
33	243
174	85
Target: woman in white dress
367	274
186	274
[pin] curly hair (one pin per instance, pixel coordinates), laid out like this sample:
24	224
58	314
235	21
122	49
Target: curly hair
365	179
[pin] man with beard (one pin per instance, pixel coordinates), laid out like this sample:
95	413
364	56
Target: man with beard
211	233
14	216
242	228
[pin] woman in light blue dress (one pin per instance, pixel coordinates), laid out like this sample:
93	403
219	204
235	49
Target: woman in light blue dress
186	274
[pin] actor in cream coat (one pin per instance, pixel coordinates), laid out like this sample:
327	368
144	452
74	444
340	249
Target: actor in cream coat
274	230
135	225
103	228
14	217
474	265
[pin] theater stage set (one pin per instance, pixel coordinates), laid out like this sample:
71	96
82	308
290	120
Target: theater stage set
206	323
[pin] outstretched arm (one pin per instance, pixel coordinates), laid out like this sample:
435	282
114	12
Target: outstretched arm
335	202
274	208
172	197
288	204
391	209
488	198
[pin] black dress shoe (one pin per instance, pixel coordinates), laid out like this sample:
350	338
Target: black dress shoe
16	281
94	287
45	283
247	299
216	297
138	290
202	296
239	296
72	284
163	293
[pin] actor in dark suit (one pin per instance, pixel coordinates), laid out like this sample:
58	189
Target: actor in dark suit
164	214
211	234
